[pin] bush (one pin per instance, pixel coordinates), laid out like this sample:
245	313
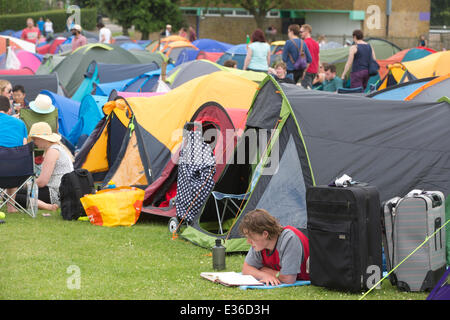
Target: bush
19	6
16	22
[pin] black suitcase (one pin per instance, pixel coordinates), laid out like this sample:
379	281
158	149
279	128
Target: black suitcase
345	240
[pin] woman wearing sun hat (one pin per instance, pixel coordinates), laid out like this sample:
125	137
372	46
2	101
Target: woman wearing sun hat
57	162
41	110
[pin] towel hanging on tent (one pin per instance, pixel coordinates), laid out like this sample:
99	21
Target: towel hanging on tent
196	169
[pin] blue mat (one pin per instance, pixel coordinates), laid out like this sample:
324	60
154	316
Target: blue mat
283	285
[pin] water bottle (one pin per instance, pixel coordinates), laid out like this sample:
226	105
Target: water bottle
247	40
32	200
218	255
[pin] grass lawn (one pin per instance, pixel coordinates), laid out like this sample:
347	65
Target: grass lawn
39	257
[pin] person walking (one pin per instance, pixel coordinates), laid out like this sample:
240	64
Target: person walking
104	34
78	39
258	53
313	47
358	59
31	33
291	51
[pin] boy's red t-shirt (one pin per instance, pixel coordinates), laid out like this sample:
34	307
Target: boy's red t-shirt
314	49
31	35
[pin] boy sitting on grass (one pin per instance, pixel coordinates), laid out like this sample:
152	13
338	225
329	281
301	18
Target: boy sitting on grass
278	254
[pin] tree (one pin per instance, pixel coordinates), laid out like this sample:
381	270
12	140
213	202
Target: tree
258	8
440	12
146	16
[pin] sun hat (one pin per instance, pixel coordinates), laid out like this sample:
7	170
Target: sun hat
76	27
42	104
44	131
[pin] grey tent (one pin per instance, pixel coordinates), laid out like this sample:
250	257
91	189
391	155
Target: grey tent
34	84
315	137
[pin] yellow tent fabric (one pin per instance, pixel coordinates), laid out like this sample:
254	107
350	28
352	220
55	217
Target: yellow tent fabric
165	115
436	64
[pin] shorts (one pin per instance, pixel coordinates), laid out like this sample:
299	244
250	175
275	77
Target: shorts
359	78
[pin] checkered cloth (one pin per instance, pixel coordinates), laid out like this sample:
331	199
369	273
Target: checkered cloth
196	169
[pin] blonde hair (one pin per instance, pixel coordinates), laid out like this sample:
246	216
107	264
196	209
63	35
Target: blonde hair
4	84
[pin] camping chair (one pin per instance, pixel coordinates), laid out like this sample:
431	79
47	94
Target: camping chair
17	171
233	198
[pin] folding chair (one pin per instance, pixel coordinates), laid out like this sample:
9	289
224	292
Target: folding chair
218	196
17	171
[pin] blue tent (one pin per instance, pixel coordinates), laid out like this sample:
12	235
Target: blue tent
210	45
104	89
131	46
67	111
145	82
237	53
90	113
399	91
414	54
111	73
186	55
142	83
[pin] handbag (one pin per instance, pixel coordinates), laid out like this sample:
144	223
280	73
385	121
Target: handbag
114	207
300	63
373	65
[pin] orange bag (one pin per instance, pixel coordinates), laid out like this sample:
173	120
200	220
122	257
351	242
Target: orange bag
114	207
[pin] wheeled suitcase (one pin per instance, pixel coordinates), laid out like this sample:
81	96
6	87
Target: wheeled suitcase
345	236
407	222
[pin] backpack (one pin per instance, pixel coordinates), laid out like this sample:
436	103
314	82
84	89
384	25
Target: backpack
300	63
74	185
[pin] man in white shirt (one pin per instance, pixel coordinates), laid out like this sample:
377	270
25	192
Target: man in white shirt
104	34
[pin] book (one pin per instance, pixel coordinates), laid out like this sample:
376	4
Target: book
231	279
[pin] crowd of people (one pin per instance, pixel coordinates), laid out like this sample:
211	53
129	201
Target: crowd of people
37	121
300	60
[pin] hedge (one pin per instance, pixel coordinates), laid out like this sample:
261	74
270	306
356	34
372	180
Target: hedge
17	22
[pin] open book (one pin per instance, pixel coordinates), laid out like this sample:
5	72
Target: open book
231	279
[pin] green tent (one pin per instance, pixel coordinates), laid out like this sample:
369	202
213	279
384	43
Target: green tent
338	56
196	68
71	70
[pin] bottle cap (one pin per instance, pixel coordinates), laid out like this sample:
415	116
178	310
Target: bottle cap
218	242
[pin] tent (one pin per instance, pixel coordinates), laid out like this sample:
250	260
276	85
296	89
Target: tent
399	91
210	45
109	72
34	84
123	94
28	60
401	56
436	64
89	114
146	82
173	49
237	53
383	48
193	69
302	138
432	90
68	110
442	289
135	142
73	67
16	43
159	45
52	46
12	72
131	46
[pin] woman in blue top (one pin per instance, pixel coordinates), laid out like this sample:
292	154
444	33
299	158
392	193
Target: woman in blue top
291	51
258	53
358	59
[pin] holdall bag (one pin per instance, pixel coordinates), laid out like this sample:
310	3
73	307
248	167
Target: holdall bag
114	207
407	222
344	236
447	228
74	185
373	65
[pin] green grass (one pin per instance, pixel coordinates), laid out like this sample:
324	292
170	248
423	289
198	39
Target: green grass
138	262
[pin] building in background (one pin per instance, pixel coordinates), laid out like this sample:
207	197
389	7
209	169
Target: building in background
399	21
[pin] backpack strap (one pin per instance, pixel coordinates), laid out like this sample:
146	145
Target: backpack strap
300	50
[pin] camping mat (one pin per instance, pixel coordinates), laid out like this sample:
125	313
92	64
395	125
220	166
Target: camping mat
283	285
